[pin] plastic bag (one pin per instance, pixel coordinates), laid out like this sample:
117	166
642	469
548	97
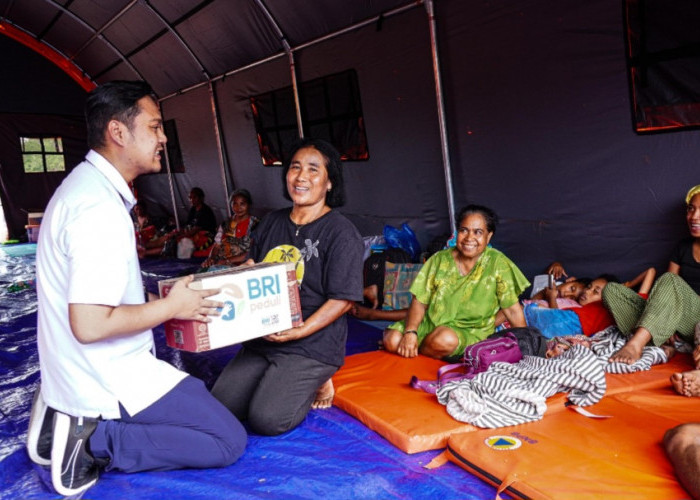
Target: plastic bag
185	248
403	238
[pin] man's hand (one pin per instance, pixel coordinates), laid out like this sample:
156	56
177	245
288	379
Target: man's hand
192	304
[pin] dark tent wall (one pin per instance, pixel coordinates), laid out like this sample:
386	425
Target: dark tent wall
192	113
539	127
37	98
22	192
541	130
403	179
32	84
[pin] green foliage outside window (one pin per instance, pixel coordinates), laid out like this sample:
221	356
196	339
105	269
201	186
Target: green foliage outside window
42	154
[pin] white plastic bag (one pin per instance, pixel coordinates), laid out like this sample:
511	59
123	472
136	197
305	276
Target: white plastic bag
185	248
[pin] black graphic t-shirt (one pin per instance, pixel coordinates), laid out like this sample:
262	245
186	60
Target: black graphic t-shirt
328	255
690	268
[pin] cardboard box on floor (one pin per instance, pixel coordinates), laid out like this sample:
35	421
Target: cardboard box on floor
258	300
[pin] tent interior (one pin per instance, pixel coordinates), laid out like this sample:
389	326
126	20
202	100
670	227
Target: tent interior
575	121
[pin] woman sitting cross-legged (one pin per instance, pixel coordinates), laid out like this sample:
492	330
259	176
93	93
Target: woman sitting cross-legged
232	241
458	292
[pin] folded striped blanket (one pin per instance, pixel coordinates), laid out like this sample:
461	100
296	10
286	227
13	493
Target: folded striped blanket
510	394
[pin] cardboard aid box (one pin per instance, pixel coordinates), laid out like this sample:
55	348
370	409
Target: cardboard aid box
258	300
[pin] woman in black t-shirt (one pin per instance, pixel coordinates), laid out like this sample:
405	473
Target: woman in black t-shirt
685	260
274	380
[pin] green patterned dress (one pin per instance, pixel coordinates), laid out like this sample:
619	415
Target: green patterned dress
466	304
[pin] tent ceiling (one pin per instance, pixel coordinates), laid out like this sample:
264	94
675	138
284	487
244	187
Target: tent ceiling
176	44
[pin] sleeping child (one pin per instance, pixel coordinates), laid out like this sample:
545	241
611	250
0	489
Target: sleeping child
591	317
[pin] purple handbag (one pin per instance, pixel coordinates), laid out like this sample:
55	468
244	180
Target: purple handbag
477	358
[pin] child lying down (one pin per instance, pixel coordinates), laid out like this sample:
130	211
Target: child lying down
574	306
591	317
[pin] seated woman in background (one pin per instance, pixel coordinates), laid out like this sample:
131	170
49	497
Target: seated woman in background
145	229
150	231
232	241
458	292
673	305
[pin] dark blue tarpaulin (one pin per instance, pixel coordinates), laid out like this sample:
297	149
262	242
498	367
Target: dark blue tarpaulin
329	455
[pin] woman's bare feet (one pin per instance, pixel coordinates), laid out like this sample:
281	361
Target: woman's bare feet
324	396
687	383
632	350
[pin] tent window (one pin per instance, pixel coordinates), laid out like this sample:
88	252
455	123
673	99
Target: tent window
42	154
331	109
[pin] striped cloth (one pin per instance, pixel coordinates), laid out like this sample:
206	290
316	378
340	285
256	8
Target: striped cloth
511	394
611	340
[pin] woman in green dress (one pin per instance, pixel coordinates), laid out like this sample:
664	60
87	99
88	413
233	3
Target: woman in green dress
458	292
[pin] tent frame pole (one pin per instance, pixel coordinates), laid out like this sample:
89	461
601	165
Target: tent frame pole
219	144
430	8
170	180
292	65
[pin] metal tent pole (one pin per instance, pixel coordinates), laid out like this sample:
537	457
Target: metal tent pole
170	180
429	6
219	145
292	66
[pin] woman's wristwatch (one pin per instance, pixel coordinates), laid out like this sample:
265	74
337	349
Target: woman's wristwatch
410	331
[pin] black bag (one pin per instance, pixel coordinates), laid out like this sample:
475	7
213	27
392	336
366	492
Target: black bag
530	340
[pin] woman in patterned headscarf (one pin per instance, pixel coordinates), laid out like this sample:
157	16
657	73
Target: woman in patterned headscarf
232	241
673	305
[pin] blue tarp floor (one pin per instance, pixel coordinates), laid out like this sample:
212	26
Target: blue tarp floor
330	455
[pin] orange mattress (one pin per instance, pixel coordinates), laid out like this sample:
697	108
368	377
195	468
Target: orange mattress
567	455
564	455
374	388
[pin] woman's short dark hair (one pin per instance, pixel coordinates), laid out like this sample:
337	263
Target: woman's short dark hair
334	166
198	192
489	216
243	193
113	100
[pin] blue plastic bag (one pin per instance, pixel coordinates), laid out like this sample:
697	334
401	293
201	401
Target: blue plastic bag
403	238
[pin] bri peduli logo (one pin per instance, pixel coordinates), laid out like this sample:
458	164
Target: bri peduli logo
503	443
233	300
263	293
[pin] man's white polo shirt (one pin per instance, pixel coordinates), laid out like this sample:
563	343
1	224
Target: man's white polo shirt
87	255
